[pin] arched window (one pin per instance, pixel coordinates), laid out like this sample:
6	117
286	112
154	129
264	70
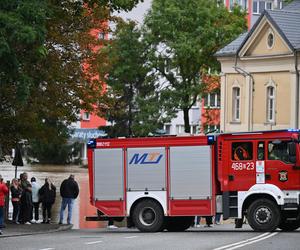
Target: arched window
270	39
236	103
270	104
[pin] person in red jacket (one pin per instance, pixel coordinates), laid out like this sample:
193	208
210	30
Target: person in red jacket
3	193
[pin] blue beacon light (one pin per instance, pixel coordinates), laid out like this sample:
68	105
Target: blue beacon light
210	139
91	143
293	130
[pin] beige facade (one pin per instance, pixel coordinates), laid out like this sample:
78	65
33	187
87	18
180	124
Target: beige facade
260	83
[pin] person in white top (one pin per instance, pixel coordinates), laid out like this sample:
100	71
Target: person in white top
35	199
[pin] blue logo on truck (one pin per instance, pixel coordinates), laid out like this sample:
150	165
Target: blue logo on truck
146	158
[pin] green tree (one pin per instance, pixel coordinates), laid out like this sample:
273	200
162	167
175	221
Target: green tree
132	101
185	36
43	44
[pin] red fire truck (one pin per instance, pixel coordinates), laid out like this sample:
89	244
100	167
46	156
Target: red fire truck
163	183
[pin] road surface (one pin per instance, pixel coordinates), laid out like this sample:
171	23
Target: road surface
222	237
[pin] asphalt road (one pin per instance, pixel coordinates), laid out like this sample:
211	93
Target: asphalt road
218	238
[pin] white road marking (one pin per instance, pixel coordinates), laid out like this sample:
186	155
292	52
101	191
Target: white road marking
93	242
246	242
47	249
254	241
130	237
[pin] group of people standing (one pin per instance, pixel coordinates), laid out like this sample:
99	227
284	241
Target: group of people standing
26	198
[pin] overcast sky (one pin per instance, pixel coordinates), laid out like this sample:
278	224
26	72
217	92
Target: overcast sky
138	13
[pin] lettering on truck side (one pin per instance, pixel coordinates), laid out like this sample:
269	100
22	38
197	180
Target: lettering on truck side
242	166
146	158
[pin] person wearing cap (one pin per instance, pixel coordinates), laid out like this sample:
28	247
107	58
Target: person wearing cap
35	187
3	193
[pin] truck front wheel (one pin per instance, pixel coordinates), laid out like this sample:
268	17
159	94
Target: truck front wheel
263	215
148	216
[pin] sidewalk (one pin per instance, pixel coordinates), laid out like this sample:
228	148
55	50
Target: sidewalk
12	230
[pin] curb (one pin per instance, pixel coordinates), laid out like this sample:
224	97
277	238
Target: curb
59	229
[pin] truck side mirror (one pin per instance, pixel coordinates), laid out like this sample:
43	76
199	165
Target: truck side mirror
292	152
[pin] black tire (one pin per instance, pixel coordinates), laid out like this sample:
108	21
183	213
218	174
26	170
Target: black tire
263	215
148	216
179	224
289	225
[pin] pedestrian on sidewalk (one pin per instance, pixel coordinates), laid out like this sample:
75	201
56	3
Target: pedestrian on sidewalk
26	200
69	191
209	221
16	192
35	199
3	193
47	195
218	219
197	221
110	224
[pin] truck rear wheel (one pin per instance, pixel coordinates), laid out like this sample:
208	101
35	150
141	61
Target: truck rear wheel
263	215
289	225
179	224
148	216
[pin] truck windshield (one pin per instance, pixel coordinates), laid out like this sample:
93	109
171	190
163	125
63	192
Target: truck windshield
279	151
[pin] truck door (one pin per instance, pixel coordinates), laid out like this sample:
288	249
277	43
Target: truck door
241	172
279	167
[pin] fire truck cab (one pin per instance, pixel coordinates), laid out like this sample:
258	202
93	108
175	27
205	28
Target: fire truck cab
164	182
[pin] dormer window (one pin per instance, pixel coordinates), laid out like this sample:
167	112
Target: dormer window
101	35
86	116
270	40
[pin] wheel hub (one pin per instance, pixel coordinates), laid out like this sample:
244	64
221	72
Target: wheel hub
147	216
263	215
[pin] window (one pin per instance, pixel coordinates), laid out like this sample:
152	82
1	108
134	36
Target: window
279	150
231	4
168	129
269	6
236	103
255	7
270	40
245	4
211	128
194	129
242	3
261	151
86	116
242	151
212	100
179	129
261	6
218	100
101	35
167	66
270	104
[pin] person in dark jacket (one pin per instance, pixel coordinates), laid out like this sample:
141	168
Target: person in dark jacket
26	200
69	191
16	192
47	194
